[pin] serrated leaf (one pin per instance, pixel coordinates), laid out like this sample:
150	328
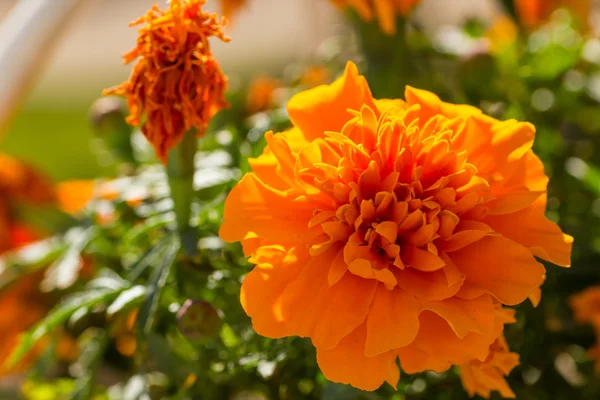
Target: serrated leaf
158	281
127	299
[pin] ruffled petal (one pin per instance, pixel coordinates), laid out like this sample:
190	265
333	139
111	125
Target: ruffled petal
272	214
393	320
532	229
263	286
346	363
325	108
312	308
501	267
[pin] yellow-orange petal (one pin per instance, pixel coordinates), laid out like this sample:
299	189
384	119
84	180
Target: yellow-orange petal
325	108
431	286
252	206
532	229
346	363
275	268
312	308
394	311
73	196
511	272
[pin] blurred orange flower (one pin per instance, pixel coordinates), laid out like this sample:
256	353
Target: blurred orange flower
261	94
315	76
176	82
386	11
586	310
369	222
22	303
230	7
533	13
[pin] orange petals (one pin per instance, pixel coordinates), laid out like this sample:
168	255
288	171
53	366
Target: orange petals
386	10
510	274
265	284
248	208
347	363
420	220
312	308
532	229
392	311
331	102
176	83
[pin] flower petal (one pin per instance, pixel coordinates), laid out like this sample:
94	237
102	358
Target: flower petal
325	108
255	207
276	268
312	308
427	285
346	363
393	320
501	267
532	229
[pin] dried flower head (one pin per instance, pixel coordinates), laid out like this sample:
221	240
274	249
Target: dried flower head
176	83
369	223
386	11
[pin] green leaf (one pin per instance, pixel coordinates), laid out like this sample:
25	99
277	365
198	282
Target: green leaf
143	229
63	273
28	259
126	300
58	316
228	336
151	257
89	361
158	281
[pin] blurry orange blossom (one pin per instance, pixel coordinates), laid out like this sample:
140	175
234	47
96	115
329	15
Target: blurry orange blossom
315	76
533	13
261	94
586	310
230	7
176	83
369	223
386	11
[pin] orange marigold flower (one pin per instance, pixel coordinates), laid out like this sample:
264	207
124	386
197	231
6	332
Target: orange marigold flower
386	11
261	94
176	81
533	13
483	377
369	222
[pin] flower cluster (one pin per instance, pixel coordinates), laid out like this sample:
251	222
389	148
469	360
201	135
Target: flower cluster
176	83
392	229
386	11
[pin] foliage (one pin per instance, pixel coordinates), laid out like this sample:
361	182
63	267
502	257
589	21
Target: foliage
191	336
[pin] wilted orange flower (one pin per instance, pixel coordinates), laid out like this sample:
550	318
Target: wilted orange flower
369	223
533	13
176	81
586	310
261	94
386	11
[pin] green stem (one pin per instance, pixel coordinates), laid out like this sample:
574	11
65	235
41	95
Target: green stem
389	64
180	172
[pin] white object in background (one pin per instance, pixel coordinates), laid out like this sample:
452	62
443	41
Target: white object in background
26	36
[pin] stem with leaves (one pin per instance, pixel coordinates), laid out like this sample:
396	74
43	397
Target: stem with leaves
180	172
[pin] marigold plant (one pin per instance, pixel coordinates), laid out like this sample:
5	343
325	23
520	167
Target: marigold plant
176	83
586	310
369	223
386	11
